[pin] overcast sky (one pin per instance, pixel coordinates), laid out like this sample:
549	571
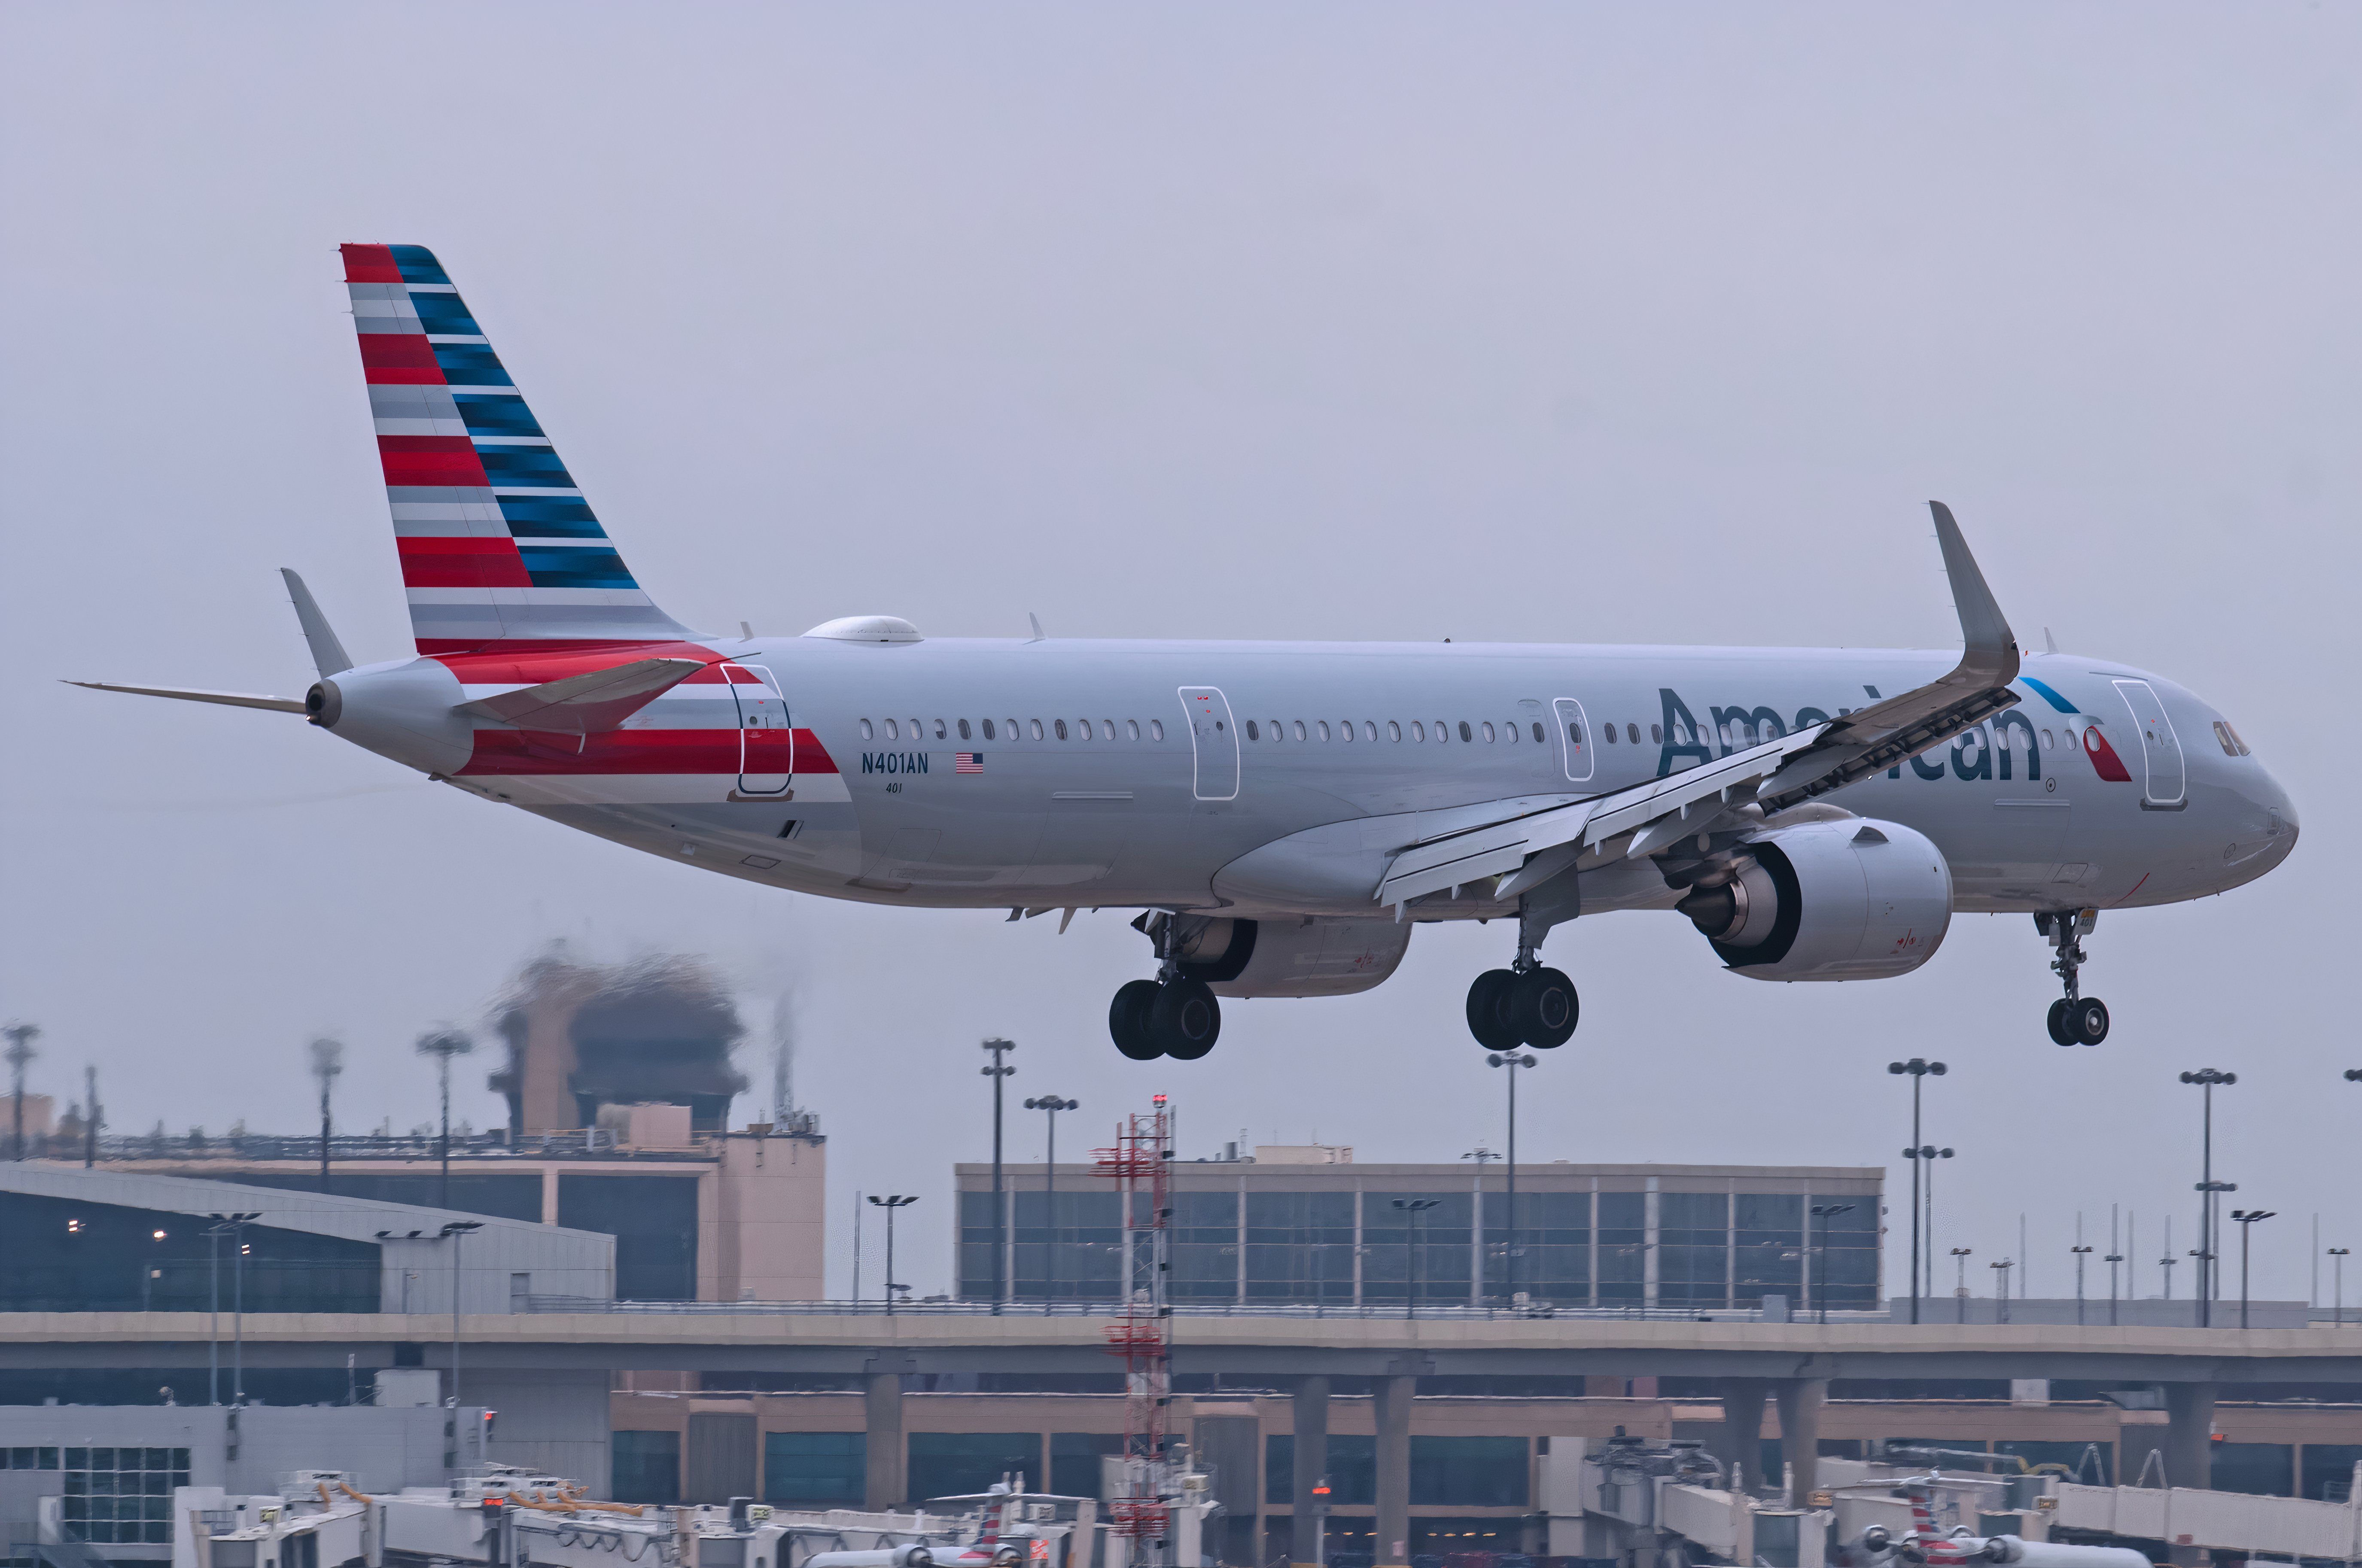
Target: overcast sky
1355	321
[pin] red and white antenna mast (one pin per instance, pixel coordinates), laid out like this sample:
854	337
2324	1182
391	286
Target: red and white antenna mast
1141	1334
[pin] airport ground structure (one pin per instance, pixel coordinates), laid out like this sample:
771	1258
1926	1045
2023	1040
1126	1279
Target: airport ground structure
550	1374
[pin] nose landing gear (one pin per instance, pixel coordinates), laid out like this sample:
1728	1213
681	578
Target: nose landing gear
2075	1019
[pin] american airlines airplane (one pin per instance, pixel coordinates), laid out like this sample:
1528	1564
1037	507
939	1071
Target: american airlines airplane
1283	814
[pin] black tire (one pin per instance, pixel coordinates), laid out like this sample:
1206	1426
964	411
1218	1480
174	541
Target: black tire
2089	1018
1186	1018
2060	1032
1540	1006
1488	1017
1127	1020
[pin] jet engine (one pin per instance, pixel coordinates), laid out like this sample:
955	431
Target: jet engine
1853	900
1292	957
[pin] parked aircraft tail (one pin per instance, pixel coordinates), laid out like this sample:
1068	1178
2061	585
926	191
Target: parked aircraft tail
500	551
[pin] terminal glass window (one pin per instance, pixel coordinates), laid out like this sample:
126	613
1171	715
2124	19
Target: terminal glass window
1300	1246
2264	1469
1847	1258
2328	1470
1623	1247
815	1467
1352	1470
1427	1249
1468	1472
1769	1245
1692	1248
653	1221
953	1465
1074	1460
646	1466
115	1495
1204	1245
1554	1232
1069	1245
66	1255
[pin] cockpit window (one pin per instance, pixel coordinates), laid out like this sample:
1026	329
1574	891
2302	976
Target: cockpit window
2228	738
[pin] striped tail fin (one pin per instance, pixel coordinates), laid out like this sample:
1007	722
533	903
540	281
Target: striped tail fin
499	552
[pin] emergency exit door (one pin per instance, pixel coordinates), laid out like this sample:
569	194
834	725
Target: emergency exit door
766	743
2165	789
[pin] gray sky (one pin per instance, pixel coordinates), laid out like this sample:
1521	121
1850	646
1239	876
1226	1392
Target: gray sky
1574	323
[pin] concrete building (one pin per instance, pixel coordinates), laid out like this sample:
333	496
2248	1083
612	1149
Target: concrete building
84	1240
694	1216
103	1476
1311	1225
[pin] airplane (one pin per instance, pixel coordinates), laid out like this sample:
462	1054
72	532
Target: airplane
1927	1545
1284	815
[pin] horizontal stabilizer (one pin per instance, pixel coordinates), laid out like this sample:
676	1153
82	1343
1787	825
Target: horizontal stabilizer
585	704
230	699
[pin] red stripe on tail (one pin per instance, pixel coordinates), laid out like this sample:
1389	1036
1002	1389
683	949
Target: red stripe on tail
369	264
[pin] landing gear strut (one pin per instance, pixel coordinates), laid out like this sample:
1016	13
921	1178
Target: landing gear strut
2075	1019
1173	1015
1525	1004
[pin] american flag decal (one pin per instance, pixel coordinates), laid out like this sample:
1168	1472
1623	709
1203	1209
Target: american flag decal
968	762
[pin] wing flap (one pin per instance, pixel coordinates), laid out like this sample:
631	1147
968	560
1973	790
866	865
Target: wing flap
584	704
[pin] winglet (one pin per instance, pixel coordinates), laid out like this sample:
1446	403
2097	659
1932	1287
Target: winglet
1990	650
328	654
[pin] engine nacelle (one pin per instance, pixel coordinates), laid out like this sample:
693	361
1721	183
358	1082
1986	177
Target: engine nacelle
1292	957
1856	900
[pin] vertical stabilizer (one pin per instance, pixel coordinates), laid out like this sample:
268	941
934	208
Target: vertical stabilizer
499	548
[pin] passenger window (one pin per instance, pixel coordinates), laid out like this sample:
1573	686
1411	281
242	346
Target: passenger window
1013	729
1037	729
1370	730
963	730
1394	731
988	729
940	733
916	733
1509	733
1133	726
1608	734
891	732
1252	733
1107	729
1299	729
1537	732
1060	723
1156	729
1345	731
1324	729
865	733
1278	732
1656	734
1418	731
1488	732
1465	733
1082	729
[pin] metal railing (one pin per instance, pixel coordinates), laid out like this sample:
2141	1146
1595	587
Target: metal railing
1108	1309
496	1144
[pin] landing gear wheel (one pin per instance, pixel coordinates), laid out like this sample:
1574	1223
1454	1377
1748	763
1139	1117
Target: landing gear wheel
1488	1017
1127	1020
1186	1018
2088	1019
2060	1034
1540	1008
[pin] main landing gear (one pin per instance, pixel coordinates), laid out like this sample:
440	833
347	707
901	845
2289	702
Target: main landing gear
1176	1014
1525	1004
2075	1019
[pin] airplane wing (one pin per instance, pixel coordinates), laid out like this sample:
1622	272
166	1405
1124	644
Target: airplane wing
1782	772
231	698
584	704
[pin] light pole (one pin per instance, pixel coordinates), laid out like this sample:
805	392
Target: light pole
1509	1263
1928	1154
2337	1274
454	1232
2206	1078
2082	1253
1825	1212
1050	1104
2112	1260
1411	1209
2246	1218
890	1203
443	1045
2001	1289
1919	1069
226	1224
90	1117
20	1037
998	1070
327	1061
1960	1291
